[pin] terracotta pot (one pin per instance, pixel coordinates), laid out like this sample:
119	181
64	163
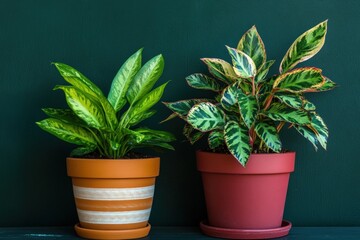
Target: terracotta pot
245	198
113	197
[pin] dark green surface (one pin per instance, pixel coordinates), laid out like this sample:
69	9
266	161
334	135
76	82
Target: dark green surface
182	233
97	36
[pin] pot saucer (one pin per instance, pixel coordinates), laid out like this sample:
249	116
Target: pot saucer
112	234
246	233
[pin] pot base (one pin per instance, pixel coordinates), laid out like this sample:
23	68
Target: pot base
112	234
246	233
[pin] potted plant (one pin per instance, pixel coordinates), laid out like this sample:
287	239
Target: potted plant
113	186
245	170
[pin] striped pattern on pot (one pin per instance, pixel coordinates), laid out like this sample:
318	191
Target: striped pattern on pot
113	204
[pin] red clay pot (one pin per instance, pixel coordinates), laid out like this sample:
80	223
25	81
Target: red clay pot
245	198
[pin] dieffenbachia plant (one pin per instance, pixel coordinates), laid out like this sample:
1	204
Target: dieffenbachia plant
99	123
249	110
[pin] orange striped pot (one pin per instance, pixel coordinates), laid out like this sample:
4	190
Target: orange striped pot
113	197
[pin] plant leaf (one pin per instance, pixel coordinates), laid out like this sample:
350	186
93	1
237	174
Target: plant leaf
192	134
221	69
263	71
65	115
145	103
201	81
304	47
229	98
244	66
248	108
123	79
281	112
82	105
206	116
292	100
181	108
268	133
151	135
145	79
320	129
216	139
81	151
326	86
141	117
237	140
67	132
299	80
252	45
308	134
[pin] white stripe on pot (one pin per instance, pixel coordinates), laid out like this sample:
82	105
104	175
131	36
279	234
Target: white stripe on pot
123	217
114	193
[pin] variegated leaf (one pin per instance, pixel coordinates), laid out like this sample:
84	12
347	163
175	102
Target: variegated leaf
308	134
292	100
268	133
263	71
243	65
252	45
65	115
67	132
216	139
192	134
145	103
151	135
308	106
86	109
78	80
221	70
145	79
237	141
281	112
248	108
141	117
304	47
201	81
181	108
326	86
123	79
229	99
320	129
299	80
81	151
206	117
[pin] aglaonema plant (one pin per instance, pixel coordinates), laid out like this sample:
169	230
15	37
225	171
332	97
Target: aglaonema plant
101	124
249	109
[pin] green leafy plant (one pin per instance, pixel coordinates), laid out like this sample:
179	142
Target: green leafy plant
101	124
249	109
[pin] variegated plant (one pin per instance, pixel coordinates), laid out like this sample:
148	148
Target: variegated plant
249	110
101	124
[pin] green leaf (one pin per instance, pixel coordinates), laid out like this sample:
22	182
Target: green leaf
248	108
86	109
308	106
252	45
145	79
304	47
181	108
268	133
319	127
206	117
81	151
308	134
77	79
65	115
141	117
263	71
292	100
145	103
67	132
237	140
201	81
299	80
326	86
244	66
281	112
229	98
151	135
216	139
123	79
221	70
192	134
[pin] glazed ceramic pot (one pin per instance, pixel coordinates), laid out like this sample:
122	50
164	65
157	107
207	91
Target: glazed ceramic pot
245	198
113	197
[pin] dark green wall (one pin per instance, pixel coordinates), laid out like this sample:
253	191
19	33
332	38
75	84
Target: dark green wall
97	36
